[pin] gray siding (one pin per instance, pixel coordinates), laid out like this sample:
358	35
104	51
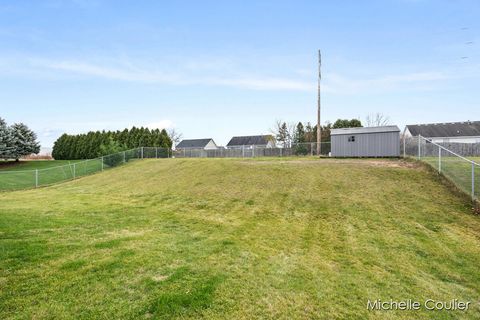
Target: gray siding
382	144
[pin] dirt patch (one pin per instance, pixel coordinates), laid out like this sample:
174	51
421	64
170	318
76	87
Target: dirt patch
9	164
159	278
392	163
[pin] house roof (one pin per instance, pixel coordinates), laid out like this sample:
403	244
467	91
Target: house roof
364	130
451	129
250	140
194	143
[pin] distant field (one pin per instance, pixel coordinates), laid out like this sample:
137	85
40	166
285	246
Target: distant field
238	239
15	176
22	175
32	165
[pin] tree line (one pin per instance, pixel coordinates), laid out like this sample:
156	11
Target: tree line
100	143
288	134
17	141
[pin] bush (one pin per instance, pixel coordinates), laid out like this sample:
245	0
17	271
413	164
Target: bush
300	150
113	151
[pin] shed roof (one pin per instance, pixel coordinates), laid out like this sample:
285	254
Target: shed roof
250	140
450	129
359	130
194	143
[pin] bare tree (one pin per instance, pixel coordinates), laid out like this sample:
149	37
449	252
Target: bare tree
284	132
377	120
175	136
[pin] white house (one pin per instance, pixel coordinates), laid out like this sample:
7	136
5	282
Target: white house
452	132
205	144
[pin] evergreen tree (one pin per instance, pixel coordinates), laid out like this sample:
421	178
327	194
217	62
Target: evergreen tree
24	141
165	141
355	123
345	123
299	139
6	140
59	148
299	135
282	135
85	146
111	148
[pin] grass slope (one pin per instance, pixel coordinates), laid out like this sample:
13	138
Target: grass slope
459	172
22	175
239	239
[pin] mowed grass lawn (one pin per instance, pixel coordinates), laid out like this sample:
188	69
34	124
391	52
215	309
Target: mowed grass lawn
238	239
22	175
459	172
33	164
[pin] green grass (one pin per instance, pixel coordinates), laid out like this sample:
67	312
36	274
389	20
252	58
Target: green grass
238	239
22	174
459	172
32	164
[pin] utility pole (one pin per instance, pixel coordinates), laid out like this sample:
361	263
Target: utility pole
319	127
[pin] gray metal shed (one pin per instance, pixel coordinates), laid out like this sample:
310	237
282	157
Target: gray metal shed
366	142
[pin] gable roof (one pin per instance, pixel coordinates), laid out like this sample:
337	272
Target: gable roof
250	140
358	130
194	143
451	129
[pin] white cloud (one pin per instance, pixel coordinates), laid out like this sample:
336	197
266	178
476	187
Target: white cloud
208	74
129	73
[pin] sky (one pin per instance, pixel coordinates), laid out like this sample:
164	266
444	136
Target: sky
217	69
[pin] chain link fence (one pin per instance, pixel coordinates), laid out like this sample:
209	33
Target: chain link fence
294	149
460	163
18	179
14	180
460	166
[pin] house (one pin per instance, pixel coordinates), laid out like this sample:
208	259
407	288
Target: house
459	132
366	142
205	144
262	141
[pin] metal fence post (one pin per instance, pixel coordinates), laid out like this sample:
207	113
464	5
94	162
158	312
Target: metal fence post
156	152
439	160
311	149
418	147
142	152
253	151
473	181
74	170
124	157
280	152
36	178
102	163
243	151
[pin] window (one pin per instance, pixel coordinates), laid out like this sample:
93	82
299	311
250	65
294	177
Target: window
351	139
